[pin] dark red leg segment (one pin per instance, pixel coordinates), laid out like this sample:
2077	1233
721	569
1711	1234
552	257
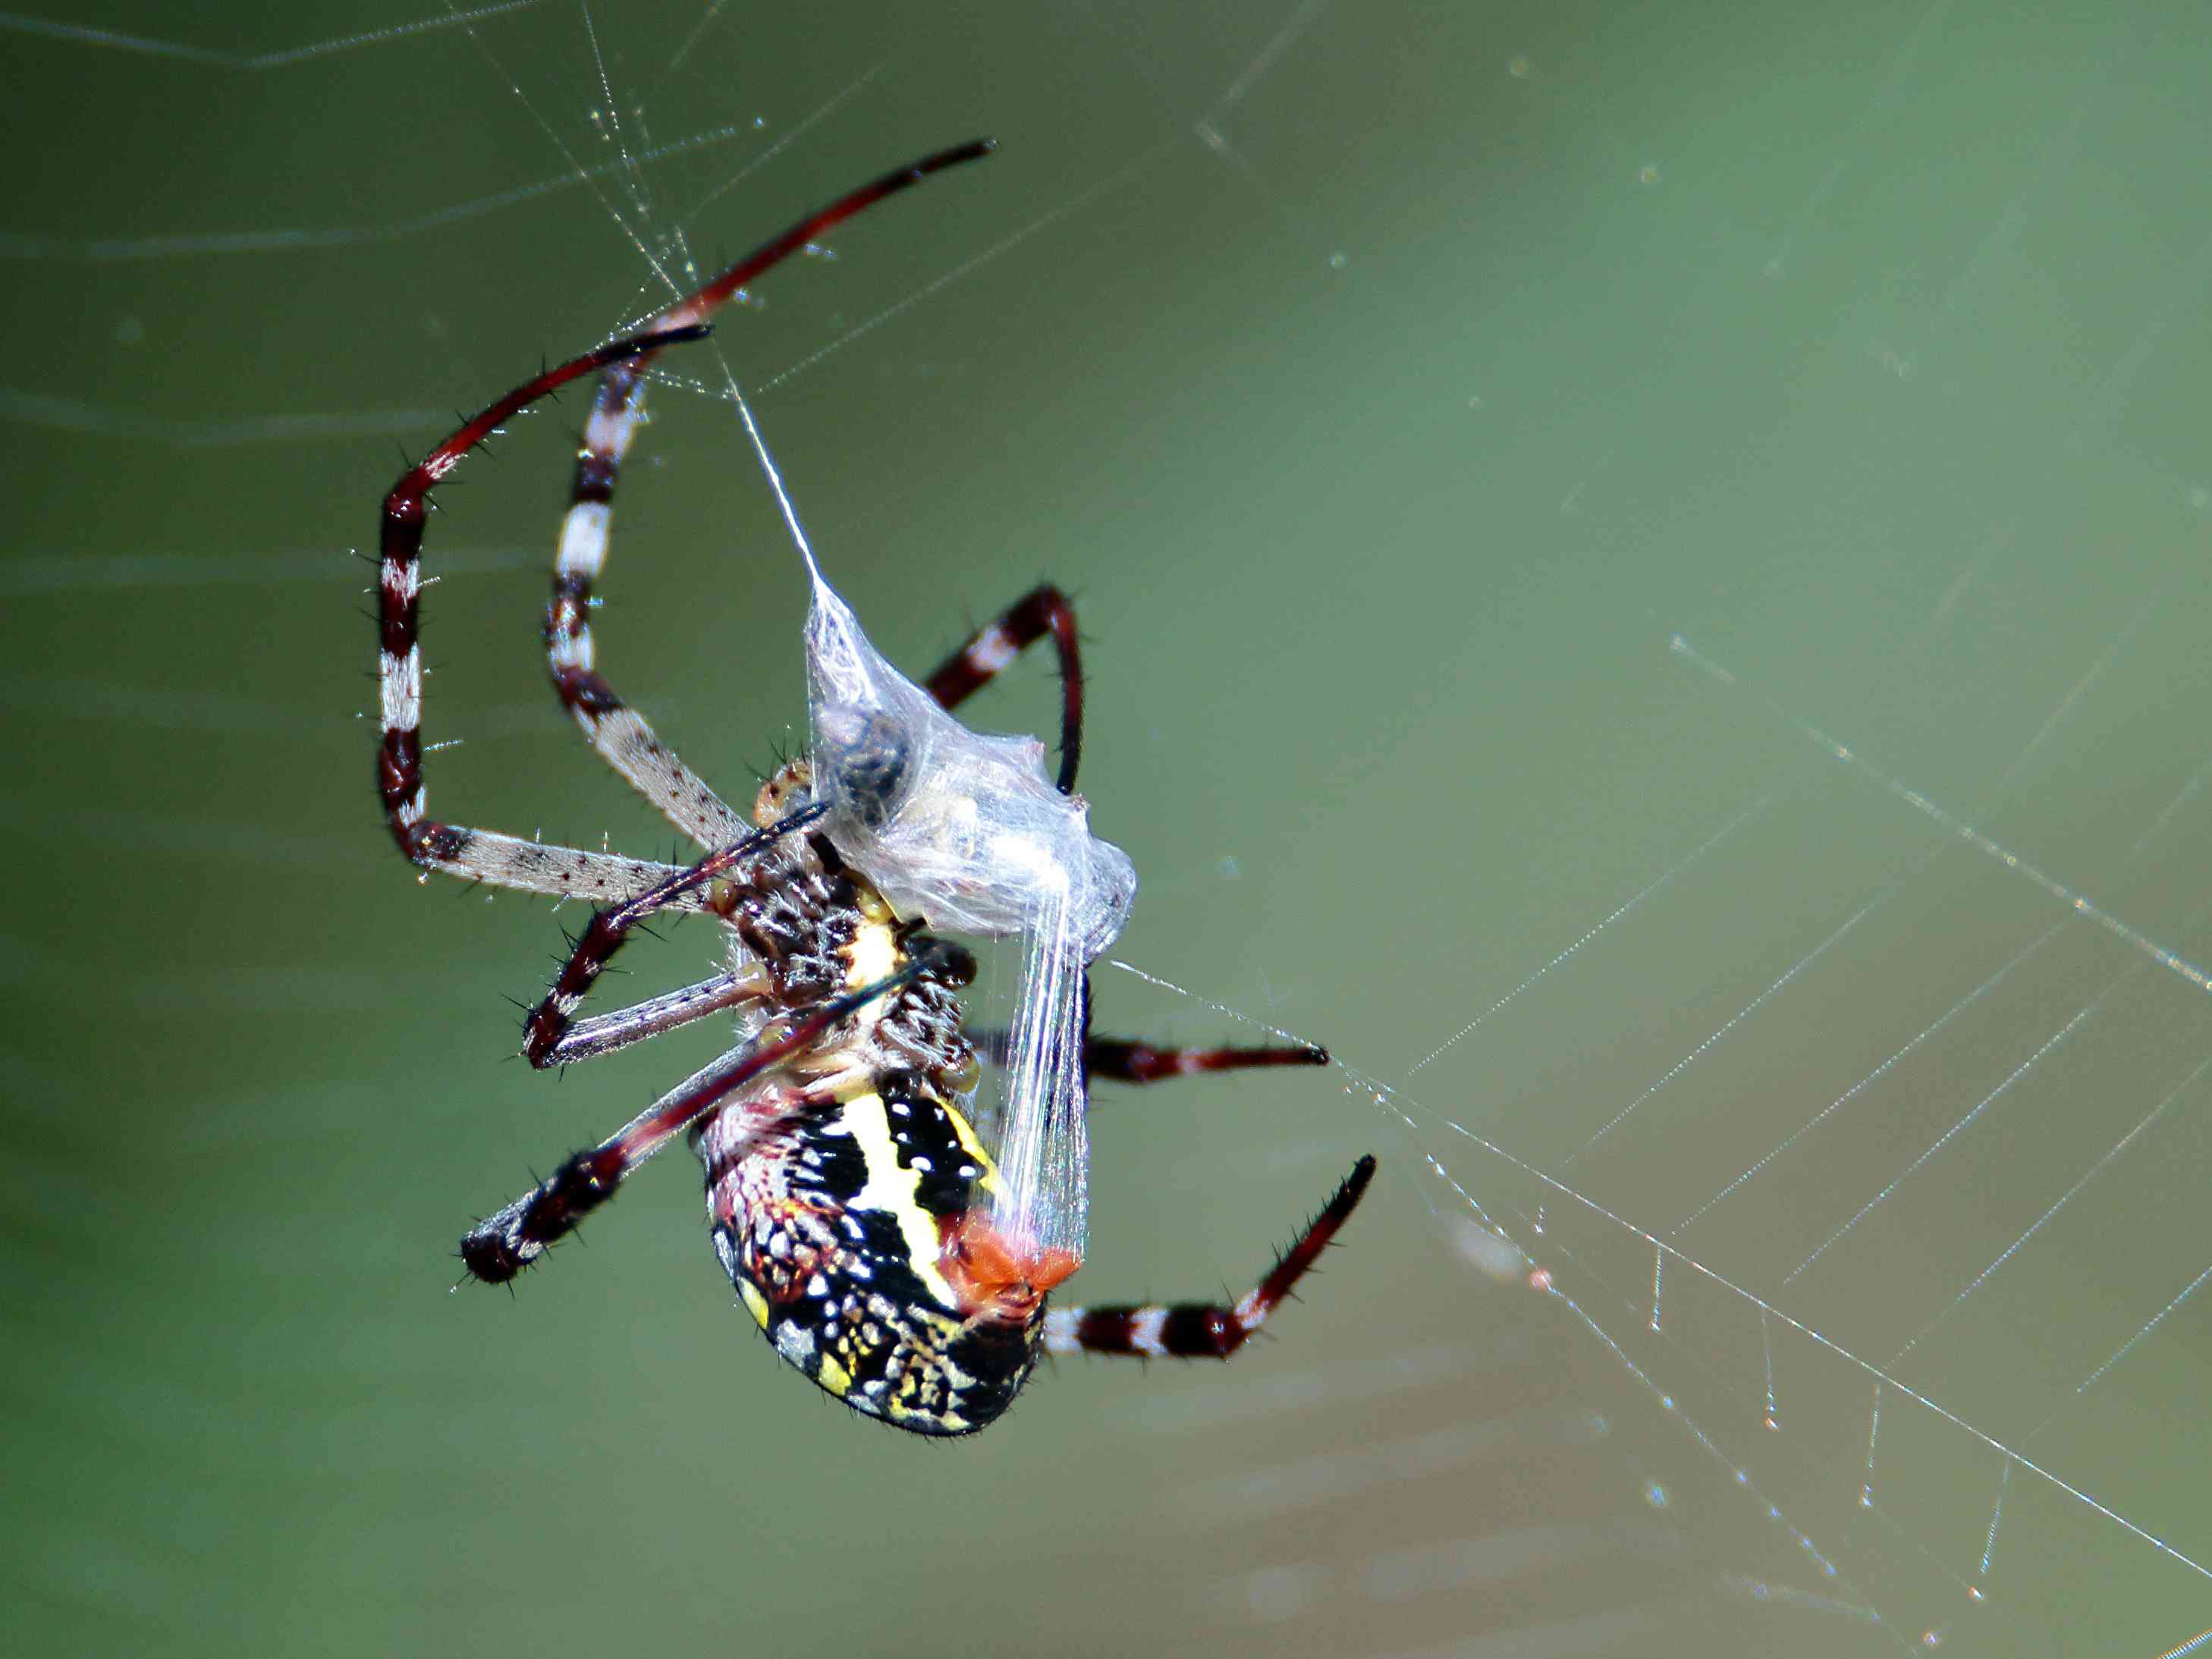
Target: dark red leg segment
1029	619
1124	1059
1120	1060
602	1034
502	1245
550	1021
406	510
1202	1330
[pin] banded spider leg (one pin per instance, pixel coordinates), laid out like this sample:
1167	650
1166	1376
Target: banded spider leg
1185	1330
634	887
1046	610
1205	1330
478	855
504	1243
1043	610
550	1037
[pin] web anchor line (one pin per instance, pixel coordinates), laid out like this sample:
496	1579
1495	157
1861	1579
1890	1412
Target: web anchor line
1972	999
1874	1433
1874	1372
1996	1514
1663	879
2112	1154
1895	886
2171	960
1737	1019
2050	1044
1385	1098
1766	1346
2123	1350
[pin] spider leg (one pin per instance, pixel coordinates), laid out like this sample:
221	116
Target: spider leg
1120	1059
532	866
504	861
503	1244
1125	1059
549	1039
602	1034
1042	610
615	732
618	733
1199	1330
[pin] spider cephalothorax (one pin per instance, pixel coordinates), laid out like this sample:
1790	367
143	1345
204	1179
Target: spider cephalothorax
865	1220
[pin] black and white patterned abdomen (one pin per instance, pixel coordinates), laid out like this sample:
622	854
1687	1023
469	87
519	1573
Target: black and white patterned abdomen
834	1232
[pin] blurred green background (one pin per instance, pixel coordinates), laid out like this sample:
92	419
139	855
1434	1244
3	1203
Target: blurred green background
1390	383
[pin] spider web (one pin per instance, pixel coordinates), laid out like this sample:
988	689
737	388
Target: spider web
1644	579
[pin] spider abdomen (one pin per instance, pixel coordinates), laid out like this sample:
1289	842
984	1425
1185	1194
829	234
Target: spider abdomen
837	1196
834	1231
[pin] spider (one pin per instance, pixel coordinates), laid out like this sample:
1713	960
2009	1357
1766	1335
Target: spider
845	1181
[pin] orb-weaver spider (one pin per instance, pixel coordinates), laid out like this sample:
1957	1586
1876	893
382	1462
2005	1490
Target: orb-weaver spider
843	1171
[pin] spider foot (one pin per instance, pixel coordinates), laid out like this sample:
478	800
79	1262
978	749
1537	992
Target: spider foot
499	1247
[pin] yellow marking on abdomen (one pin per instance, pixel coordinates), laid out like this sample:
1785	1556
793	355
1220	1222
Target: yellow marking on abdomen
892	1189
964	1132
754	1300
